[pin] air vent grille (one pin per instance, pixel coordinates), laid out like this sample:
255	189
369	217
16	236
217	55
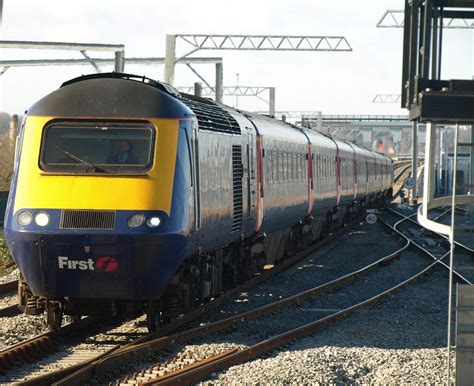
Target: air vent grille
211	117
88	219
237	173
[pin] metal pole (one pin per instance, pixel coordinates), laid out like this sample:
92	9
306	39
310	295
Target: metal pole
440	163
119	61
237	95
219	89
271	102
170	58
437	180
1	12
471	180
197	89
414	162
428	169
451	251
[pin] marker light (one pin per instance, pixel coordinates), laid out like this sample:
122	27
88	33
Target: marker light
153	222
42	219
24	218
136	220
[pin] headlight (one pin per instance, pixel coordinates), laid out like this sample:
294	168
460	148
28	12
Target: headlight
153	222
136	220
24	218
42	219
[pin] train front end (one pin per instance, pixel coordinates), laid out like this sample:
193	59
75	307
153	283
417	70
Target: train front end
99	211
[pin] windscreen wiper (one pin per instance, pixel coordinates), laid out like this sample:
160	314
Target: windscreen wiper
80	160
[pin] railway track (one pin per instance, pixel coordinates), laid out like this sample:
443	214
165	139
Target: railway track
401	172
8	286
83	370
89	338
192	372
85	358
185	365
8	289
433	244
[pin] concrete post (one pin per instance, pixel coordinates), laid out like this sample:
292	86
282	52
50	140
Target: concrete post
170	58
119	61
428	177
283	118
197	89
219	79
320	120
414	154
271	102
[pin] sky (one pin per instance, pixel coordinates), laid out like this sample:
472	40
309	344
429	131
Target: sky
331	82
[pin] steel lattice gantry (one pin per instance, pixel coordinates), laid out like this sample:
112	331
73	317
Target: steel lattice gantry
387	98
445	18
118	49
395	19
5	64
266	42
254	91
245	43
434	101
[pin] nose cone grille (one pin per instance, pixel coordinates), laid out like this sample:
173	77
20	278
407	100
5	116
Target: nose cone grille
88	219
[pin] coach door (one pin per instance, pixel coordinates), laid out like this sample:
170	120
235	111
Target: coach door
196	215
250	179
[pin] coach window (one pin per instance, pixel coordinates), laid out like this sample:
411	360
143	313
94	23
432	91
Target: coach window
268	163
290	166
324	166
279	165
184	155
281	170
294	170
302	159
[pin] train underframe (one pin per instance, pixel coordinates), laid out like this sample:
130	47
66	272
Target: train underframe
204	277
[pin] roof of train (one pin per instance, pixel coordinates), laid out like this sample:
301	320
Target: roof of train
278	129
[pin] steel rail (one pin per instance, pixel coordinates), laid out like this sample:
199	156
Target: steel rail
438	260
38	346
12	310
436	233
139	350
8	286
89	365
403	168
395	195
198	373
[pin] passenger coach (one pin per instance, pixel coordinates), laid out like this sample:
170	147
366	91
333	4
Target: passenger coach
129	195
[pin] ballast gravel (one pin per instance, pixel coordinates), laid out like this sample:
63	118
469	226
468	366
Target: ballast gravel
20	327
352	250
402	340
13	275
96	339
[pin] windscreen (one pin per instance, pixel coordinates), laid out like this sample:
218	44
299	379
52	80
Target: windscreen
87	148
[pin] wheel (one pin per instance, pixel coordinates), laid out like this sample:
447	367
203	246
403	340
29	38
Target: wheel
54	316
152	317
